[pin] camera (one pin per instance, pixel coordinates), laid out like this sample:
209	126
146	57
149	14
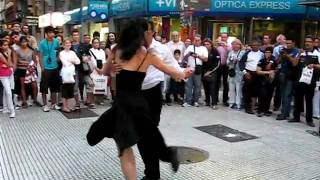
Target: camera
49	60
284	51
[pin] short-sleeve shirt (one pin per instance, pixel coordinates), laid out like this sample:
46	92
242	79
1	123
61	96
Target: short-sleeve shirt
286	66
200	50
49	51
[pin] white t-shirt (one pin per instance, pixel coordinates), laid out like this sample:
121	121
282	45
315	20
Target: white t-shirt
200	50
174	46
100	55
68	59
253	60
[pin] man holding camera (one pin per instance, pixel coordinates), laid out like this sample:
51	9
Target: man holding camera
288	60
195	54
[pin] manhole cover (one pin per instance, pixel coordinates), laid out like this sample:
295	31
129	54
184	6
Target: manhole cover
188	155
81	113
226	133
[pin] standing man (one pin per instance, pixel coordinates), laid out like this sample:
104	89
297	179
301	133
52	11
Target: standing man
50	78
174	44
266	42
287	67
31	39
281	44
248	65
223	50
16	27
196	55
310	58
152	92
76	47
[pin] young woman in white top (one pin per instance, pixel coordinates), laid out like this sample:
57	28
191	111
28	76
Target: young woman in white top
68	59
98	57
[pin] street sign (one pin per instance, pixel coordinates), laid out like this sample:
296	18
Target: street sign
32	20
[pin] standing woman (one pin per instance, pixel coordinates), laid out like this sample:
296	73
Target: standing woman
210	74
235	75
6	70
98	57
111	43
68	59
26	58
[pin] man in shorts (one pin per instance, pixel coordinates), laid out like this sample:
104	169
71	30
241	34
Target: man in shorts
50	78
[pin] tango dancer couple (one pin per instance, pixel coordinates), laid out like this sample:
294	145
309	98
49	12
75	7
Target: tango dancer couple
140	63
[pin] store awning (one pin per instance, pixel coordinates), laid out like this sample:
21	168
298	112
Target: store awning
314	3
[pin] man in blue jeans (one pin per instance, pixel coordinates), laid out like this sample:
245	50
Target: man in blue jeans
195	54
288	60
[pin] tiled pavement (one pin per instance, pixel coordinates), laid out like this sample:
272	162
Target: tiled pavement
40	146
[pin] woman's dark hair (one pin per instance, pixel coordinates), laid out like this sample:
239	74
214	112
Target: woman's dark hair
24	38
95	39
1	50
131	37
108	44
177	51
270	49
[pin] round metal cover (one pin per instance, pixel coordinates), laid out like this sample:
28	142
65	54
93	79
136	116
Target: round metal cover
188	155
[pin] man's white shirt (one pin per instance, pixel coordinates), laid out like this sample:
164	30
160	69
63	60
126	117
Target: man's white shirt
200	50
178	45
153	75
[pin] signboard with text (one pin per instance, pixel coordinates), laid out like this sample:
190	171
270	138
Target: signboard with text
257	6
98	9
127	8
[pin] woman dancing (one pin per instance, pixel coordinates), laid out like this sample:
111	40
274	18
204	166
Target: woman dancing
129	120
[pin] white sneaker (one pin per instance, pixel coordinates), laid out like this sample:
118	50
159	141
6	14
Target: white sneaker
196	104
46	108
56	107
214	107
186	105
13	115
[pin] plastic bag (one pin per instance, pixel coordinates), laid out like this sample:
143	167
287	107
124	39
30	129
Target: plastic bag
306	75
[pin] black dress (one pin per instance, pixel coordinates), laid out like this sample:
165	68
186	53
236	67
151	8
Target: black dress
129	118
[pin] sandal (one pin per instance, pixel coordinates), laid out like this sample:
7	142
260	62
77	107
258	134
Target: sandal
92	106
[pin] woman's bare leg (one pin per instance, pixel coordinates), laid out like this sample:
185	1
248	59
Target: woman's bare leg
128	164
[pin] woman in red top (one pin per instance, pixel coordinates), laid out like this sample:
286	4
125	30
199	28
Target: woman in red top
6	69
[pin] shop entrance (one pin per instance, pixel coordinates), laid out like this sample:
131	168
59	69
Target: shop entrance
234	30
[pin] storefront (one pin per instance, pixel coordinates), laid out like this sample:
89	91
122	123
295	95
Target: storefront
243	19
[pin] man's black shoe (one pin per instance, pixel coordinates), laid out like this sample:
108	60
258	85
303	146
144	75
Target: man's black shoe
276	109
146	178
259	114
226	104
174	160
281	117
267	113
294	120
249	112
311	124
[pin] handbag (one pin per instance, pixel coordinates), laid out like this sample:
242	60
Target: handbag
306	75
67	74
198	68
232	72
207	76
99	61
